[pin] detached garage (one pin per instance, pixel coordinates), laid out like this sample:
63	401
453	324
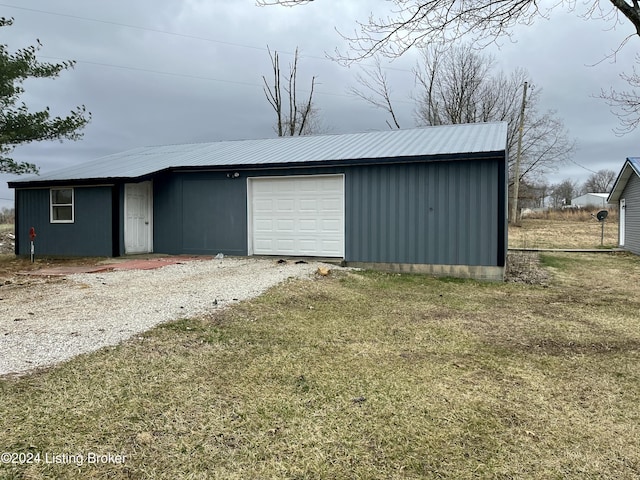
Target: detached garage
429	200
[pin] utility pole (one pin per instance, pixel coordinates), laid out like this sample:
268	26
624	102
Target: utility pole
516	176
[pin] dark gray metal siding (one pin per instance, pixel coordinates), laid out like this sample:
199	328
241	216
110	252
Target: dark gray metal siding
631	194
200	213
449	212
91	234
446	213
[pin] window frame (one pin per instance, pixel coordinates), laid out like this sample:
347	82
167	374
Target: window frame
52	205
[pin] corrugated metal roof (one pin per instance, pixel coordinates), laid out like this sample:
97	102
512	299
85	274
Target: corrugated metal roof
425	141
631	165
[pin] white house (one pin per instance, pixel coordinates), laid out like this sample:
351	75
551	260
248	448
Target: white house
626	194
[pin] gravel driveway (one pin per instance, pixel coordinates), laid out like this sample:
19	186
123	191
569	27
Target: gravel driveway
45	323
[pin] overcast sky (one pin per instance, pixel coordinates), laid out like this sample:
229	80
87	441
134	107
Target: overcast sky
156	72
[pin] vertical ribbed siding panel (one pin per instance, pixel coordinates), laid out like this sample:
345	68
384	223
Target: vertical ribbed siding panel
168	223
89	235
33	206
408	241
428	213
631	194
483	211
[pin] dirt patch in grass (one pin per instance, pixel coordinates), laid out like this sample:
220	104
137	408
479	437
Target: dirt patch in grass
525	267
360	375
11	268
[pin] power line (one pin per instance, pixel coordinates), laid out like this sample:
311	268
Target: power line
159	72
582	166
136	27
175	34
196	77
181	35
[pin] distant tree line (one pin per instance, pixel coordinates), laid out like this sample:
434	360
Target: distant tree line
7	215
542	194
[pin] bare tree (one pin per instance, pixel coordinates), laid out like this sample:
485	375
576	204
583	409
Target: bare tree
458	85
563	192
423	22
375	89
299	119
482	22
455	87
626	104
7	215
533	195
599	182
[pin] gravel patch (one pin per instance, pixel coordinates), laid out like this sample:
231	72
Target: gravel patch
44	323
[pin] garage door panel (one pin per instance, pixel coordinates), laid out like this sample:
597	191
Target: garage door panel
285	205
264	205
331	204
332	249
310	185
298	216
285	225
330	245
308	205
308	225
331	225
262	188
263	225
264	244
285	246
282	186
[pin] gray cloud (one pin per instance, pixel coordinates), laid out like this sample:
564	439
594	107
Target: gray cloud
210	85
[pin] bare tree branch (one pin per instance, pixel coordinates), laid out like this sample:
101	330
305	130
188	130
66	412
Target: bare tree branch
274	94
376	91
480	22
625	105
307	111
458	85
284	3
299	119
599	182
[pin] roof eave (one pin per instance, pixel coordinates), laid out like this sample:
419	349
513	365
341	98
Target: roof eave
621	181
499	154
69	182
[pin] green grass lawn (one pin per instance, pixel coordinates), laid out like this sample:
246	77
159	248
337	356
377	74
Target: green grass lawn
360	375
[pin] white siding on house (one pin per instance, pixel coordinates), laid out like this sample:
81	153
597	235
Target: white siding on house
631	195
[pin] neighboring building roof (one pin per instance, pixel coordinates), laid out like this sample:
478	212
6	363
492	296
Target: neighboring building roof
631	166
288	151
590	199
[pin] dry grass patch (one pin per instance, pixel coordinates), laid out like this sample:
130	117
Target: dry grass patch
361	375
566	229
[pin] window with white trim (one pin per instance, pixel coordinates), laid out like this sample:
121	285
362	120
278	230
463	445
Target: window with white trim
62	205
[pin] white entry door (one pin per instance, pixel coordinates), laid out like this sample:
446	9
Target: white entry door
302	215
138	218
623	209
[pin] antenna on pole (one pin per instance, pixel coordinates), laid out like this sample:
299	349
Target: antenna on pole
602	216
516	176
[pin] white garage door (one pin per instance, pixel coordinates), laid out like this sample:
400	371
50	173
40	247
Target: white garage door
297	215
